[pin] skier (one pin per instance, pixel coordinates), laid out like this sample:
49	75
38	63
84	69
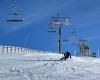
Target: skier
66	55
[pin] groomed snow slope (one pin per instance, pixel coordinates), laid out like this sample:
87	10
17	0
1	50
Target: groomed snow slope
39	66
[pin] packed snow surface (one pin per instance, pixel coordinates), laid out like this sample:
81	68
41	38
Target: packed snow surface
46	66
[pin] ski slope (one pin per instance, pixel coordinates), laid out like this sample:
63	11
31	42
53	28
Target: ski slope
46	66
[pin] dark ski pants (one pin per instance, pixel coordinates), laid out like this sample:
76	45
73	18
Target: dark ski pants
64	58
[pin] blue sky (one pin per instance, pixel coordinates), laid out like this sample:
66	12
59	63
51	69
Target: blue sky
33	32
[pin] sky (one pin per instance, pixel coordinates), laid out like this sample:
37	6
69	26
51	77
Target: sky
33	31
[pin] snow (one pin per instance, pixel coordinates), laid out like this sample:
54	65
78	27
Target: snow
46	66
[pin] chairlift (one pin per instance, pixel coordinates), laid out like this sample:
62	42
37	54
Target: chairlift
75	42
66	40
67	21
15	20
73	34
52	30
16	16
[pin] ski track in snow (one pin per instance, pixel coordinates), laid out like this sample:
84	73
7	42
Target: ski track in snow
46	67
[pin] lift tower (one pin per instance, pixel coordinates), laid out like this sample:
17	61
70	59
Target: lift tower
57	23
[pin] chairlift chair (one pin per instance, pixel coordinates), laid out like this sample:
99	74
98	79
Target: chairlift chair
16	16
